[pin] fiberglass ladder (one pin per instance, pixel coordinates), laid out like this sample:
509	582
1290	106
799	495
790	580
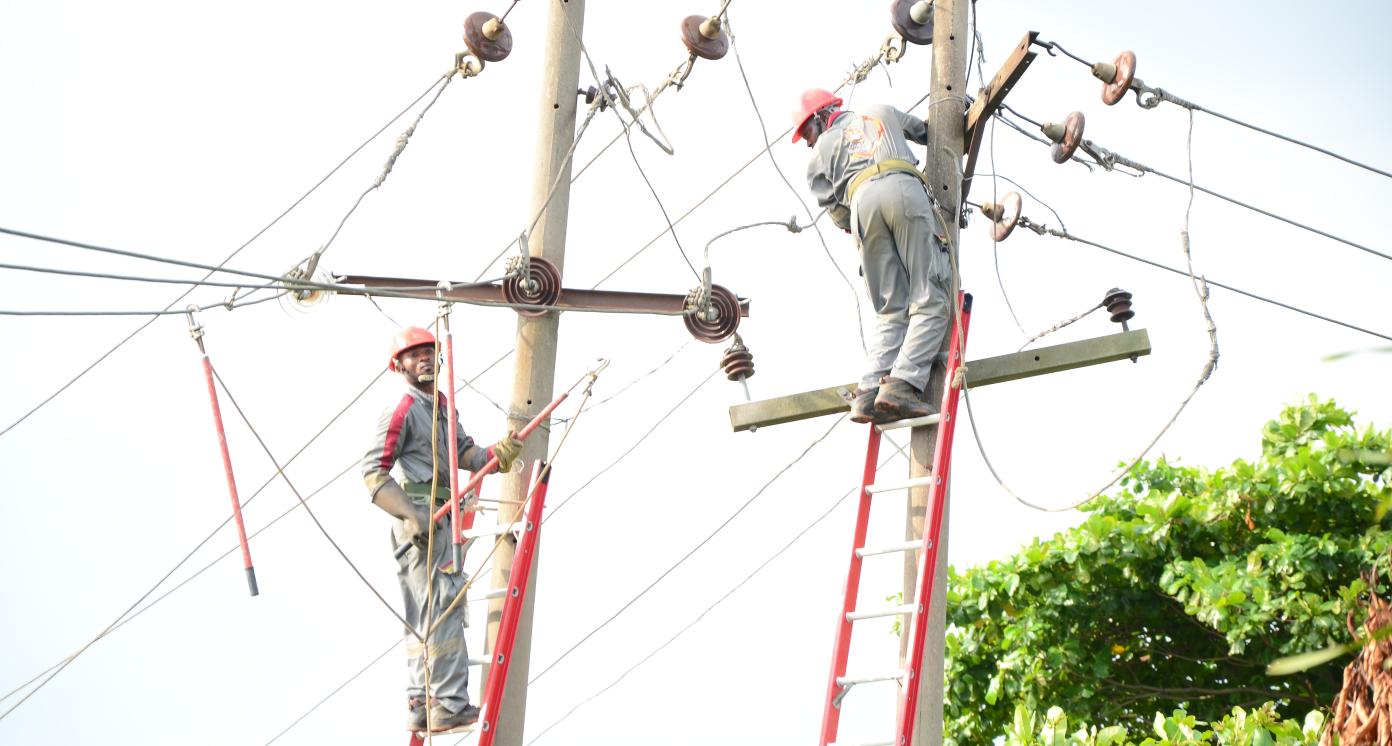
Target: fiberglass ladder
917	611
528	531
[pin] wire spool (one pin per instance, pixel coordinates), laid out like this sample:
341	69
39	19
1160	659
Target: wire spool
487	36
1004	215
718	320
705	37
302	300
1118	303
1066	137
913	19
540	287
1116	76
738	361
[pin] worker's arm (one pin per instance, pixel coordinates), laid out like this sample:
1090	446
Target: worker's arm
473	457
914	128
819	179
377	464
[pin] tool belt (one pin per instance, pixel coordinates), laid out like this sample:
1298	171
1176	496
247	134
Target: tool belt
421	491
892	165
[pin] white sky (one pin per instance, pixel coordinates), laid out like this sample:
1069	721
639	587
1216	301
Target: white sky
180	129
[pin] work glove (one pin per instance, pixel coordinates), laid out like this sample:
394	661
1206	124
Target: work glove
506	451
416	523
389	496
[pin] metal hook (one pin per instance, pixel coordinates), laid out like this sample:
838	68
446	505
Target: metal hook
443	287
195	328
467	65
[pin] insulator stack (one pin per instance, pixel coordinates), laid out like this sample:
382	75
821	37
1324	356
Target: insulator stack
541	286
718	319
738	361
1118	303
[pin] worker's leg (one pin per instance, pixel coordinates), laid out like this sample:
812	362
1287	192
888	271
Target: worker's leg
449	673
929	268
886	281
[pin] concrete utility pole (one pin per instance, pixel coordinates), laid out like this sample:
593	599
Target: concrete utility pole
534	379
946	111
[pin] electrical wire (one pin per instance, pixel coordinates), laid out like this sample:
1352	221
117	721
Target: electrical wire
338	689
229	258
157	313
690	553
758	569
1160	94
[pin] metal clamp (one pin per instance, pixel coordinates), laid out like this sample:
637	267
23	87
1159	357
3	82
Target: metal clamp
195	328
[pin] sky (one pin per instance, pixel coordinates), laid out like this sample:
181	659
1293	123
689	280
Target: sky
181	130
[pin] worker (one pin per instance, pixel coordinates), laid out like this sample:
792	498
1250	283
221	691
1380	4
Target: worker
404	438
864	174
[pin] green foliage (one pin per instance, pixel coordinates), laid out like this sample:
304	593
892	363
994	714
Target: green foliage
1177	591
1261	726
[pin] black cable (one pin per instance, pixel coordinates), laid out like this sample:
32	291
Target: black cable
689	553
165	312
330	695
229	258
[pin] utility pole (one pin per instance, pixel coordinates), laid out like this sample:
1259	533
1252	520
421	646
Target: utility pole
534	377
946	112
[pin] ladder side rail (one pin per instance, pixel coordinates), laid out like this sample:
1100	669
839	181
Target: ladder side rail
928	558
831	714
501	659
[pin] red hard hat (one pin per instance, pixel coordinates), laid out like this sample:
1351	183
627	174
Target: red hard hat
813	100
411	336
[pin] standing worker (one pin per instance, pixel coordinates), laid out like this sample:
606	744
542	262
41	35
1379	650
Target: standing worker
864	174
404	437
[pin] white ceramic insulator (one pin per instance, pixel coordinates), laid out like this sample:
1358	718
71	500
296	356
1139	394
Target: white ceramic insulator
1105	72
493	29
921	12
710	28
1053	131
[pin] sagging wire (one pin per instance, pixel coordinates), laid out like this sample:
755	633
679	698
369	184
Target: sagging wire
812	221
689	553
758	569
1210	364
339	688
230	257
1148	97
1111	161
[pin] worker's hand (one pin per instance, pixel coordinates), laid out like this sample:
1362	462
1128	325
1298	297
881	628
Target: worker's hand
416	523
506	451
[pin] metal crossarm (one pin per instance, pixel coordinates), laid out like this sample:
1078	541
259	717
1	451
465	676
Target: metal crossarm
917	608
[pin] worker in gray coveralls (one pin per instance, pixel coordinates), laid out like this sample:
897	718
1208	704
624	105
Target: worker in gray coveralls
863	172
403	438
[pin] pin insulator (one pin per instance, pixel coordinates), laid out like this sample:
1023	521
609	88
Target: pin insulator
541	287
738	361
717	326
1118	303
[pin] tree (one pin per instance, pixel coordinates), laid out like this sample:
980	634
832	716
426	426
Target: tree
1179	588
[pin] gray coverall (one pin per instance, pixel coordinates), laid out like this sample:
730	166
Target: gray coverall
403	437
903	253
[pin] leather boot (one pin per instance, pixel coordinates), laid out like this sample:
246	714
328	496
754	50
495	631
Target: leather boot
442	719
900	400
415	722
863	407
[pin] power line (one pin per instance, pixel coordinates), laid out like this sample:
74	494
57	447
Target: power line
229	258
338	689
689	553
1156	95
796	537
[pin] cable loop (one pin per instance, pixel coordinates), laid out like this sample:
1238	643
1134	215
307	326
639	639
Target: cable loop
467	65
890	51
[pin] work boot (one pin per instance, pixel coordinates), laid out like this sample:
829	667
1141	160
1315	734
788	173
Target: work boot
899	400
442	719
415	722
863	407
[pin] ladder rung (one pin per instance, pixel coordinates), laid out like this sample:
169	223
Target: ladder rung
853	616
479	661
923	481
846	681
487	595
906	546
931	419
501	528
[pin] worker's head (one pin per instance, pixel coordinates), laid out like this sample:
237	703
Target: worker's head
814	114
413	354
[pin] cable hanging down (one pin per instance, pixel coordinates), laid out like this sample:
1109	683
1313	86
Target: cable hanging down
1148	97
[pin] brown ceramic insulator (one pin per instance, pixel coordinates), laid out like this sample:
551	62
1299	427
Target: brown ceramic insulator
738	362
1072	137
727	318
1121	83
906	26
1004	215
1118	303
698	44
484	48
542	290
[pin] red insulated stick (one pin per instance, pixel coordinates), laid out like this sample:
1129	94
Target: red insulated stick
231	479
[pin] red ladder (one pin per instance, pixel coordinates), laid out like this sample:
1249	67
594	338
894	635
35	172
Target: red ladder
840	684
500	660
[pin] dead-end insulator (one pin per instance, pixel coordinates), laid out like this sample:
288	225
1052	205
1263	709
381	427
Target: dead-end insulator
714	319
1004	215
738	361
913	19
705	37
487	36
538	283
1066	137
591	94
1116	76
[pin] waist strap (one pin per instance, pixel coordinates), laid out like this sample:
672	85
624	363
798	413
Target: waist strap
892	165
422	490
